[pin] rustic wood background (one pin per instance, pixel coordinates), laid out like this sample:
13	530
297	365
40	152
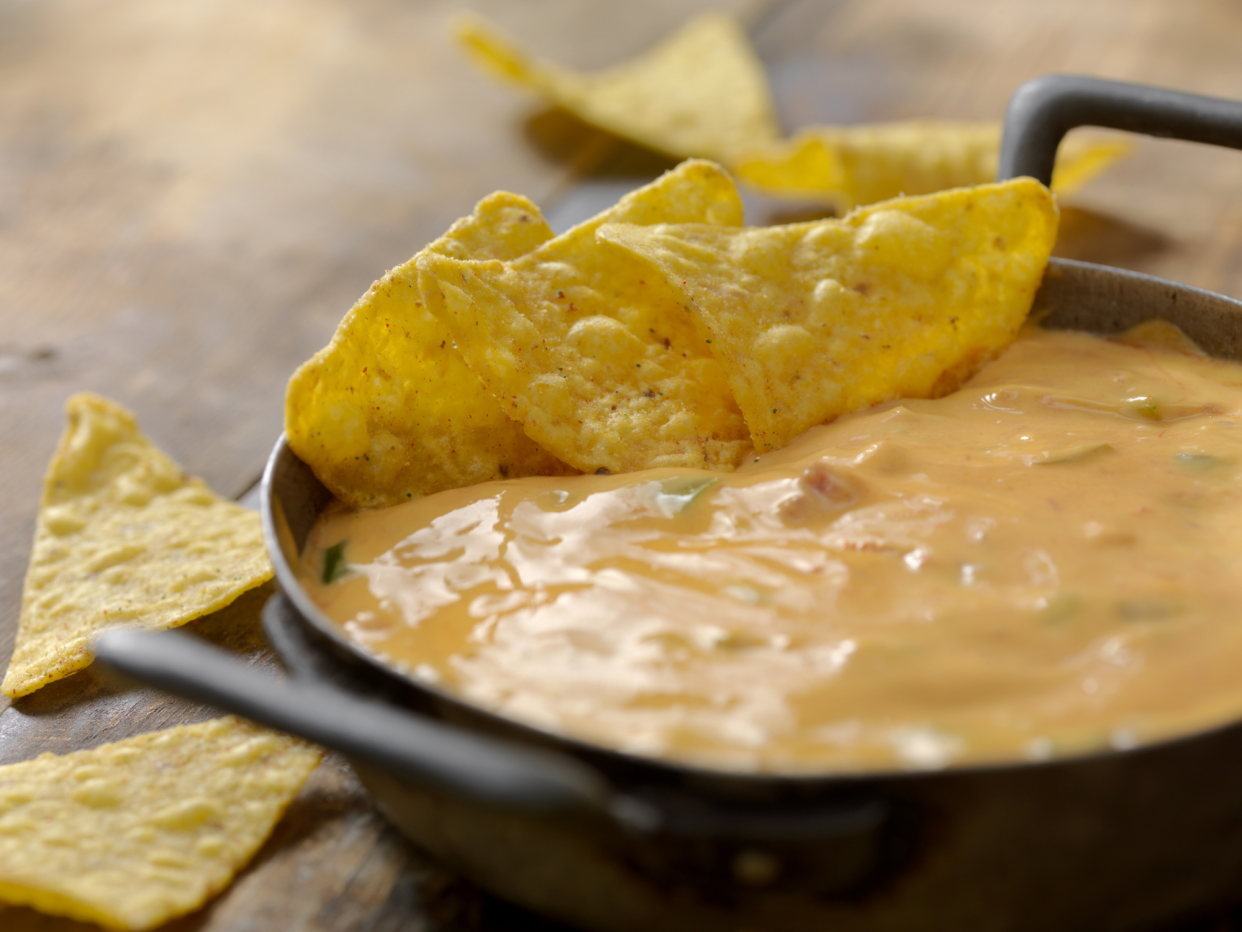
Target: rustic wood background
193	193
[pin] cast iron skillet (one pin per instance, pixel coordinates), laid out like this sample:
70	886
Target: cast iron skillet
1112	840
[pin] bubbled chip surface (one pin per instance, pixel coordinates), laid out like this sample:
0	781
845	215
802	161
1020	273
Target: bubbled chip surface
906	298
591	350
131	834
123	537
389	410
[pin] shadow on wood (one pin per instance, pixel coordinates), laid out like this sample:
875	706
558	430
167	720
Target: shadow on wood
1093	237
89	709
561	137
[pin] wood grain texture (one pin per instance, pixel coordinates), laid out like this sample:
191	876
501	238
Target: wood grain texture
192	193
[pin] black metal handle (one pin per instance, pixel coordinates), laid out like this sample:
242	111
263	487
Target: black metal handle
1042	111
423	752
445	759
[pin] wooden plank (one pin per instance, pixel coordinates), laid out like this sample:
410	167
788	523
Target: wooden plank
191	194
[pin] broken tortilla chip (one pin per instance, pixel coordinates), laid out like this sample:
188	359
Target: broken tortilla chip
863	164
591	351
902	299
389	411
700	92
123	537
131	834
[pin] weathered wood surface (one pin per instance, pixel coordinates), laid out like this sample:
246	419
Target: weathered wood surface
191	194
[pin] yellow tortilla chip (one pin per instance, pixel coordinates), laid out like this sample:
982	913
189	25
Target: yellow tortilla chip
700	92
389	410
131	834
851	165
123	537
589	349
902	299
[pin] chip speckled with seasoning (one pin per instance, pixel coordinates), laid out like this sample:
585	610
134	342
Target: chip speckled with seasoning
389	411
906	298
123	537
132	834
589	349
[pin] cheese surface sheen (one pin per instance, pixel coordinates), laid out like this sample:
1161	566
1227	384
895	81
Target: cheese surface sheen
1047	562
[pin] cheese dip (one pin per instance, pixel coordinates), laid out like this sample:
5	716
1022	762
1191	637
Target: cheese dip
1047	562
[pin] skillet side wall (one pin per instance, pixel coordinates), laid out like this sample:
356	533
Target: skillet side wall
1117	841
1103	845
1083	296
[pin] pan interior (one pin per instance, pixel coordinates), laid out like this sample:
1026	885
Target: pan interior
1074	296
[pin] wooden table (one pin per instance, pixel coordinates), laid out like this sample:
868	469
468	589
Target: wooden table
193	193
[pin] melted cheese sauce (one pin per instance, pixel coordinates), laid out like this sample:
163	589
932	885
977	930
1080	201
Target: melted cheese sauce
1046	562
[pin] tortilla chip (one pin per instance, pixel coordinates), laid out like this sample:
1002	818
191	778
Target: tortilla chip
389	411
129	835
851	165
590	350
902	299
700	92
123	537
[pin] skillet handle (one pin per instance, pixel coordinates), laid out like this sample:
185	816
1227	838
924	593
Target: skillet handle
421	751
457	763
1043	110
